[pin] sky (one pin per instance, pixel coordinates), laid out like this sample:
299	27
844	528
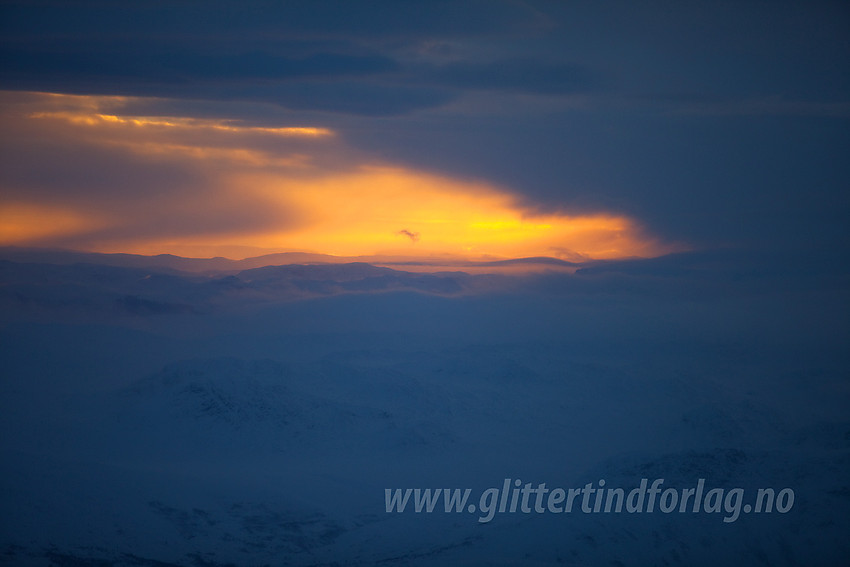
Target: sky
497	129
182	411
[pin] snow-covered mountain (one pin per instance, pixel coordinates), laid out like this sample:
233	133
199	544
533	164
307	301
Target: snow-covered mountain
256	418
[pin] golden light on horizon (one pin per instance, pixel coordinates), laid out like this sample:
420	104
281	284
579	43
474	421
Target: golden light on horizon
263	188
375	209
27	223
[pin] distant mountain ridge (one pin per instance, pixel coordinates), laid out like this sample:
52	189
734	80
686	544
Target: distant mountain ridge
227	265
115	290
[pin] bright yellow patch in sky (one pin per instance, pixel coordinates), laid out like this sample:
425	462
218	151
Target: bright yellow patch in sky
369	211
289	188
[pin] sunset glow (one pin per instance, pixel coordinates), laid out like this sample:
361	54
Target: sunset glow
367	211
97	119
330	282
312	193
22	224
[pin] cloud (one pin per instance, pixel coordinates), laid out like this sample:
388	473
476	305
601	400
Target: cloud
358	212
328	56
81	172
356	98
220	22
413	236
769	106
180	124
710	122
76	172
138	62
516	75
32	223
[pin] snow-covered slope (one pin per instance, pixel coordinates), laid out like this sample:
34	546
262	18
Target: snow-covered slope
262	427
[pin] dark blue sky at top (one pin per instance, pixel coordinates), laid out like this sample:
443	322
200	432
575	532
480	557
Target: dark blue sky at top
714	123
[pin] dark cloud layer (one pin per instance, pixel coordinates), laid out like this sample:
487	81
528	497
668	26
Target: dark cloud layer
262	19
516	75
695	51
301	55
76	61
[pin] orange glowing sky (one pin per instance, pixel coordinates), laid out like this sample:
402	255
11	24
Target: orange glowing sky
273	188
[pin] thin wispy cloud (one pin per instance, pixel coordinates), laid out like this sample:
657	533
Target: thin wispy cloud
413	236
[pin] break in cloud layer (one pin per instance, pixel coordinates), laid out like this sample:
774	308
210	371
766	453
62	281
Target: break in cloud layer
79	171
713	123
